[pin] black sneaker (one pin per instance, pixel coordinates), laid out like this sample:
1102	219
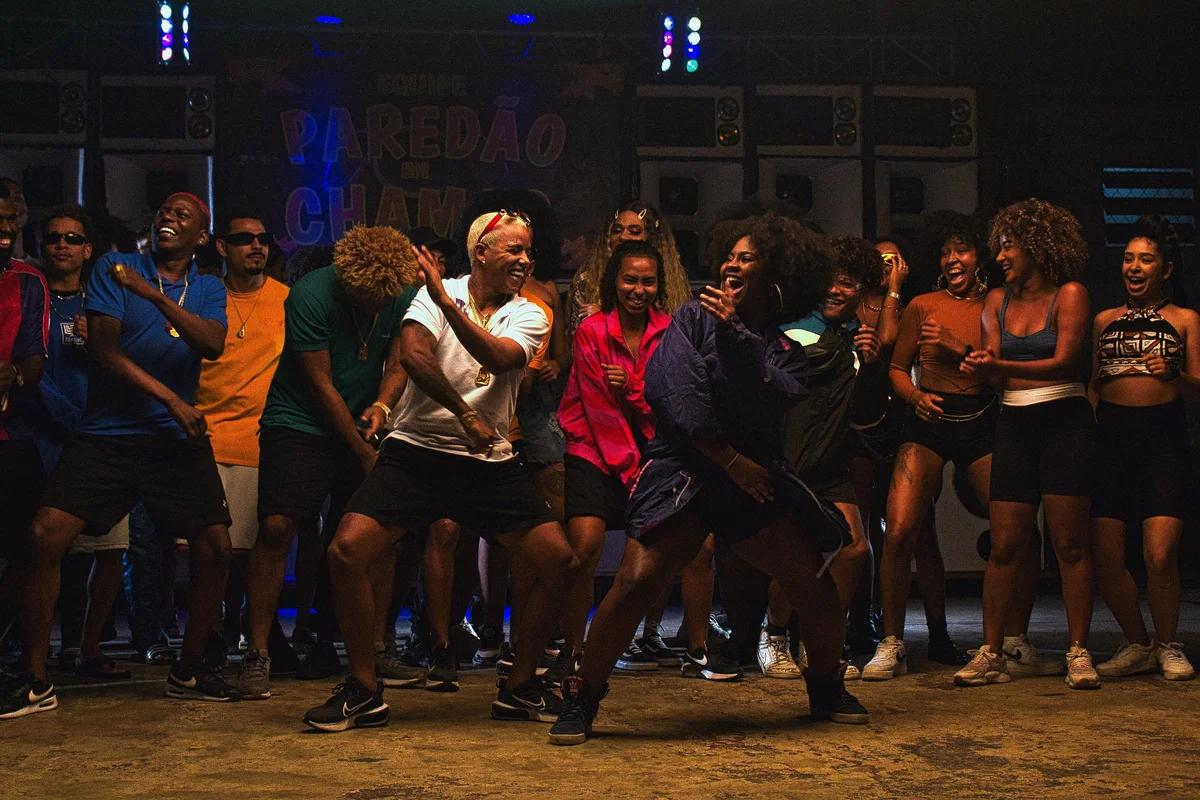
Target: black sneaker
320	663
284	660
652	644
488	653
579	707
634	659
504	662
942	650
352	706
530	701
415	652
200	683
564	665
443	671
395	674
22	694
216	651
700	663
828	699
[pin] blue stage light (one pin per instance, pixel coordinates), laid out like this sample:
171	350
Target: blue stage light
669	23
325	19
522	19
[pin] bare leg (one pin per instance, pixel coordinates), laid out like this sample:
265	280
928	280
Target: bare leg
1161	553
544	553
793	561
931	569
359	541
52	532
862	473
586	537
851	560
1116	585
697	589
914	478
494	566
308	565
103	585
383	573
210	552
645	569
1011	529
268	563
438	579
1068	520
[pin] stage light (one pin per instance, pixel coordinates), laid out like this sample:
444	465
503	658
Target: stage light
186	11
199	100
694	24
693	51
693	65
693	38
845	133
668	38
165	10
521	19
667	51
166	26
728	134
666	64
961	135
187	55
669	23
200	127
325	19
166	55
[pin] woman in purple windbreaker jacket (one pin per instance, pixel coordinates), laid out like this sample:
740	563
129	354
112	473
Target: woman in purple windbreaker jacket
719	384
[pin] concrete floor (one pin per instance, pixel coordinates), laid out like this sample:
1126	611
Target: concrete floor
657	736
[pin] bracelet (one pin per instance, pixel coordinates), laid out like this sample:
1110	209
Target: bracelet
736	456
894	294
467	417
387	412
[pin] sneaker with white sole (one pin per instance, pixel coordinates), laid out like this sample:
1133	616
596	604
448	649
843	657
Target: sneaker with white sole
775	658
254	676
1024	659
700	663
634	660
1175	665
23	694
1130	659
851	673
1080	672
984	667
890	661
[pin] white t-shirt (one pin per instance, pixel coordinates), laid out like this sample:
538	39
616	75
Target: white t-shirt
422	421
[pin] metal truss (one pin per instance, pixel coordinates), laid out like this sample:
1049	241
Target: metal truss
30	43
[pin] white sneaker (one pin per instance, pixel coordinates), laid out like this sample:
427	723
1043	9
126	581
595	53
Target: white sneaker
1175	666
1080	672
1024	659
984	667
775	659
890	661
1130	659
852	673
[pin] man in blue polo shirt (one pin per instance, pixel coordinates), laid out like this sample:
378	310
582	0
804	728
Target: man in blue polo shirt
151	319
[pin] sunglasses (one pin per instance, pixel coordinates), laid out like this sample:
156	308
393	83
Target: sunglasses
51	239
266	238
501	215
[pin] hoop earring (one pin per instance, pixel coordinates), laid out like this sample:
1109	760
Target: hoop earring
938	283
779	294
981	278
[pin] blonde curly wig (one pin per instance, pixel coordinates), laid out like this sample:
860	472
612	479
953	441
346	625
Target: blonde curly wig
375	264
585	286
1049	234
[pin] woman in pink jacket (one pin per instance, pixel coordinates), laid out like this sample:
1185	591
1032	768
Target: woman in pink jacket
604	414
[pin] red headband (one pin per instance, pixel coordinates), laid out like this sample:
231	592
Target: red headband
203	206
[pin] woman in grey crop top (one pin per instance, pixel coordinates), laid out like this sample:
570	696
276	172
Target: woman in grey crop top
1147	362
1035	331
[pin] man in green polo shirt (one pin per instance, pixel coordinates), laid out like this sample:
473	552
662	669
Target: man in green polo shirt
340	363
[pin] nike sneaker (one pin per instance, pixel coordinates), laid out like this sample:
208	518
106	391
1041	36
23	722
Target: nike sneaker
23	694
1131	659
700	663
352	705
530	701
200	683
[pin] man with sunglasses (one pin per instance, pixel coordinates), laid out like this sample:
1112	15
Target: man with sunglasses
151	320
233	388
465	345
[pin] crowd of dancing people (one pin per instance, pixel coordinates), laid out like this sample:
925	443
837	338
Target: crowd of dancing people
781	436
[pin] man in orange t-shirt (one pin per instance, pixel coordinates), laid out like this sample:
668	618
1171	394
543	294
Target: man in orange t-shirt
233	389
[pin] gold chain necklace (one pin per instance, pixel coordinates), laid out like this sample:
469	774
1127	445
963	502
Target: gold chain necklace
241	334
171	328
363	340
483	378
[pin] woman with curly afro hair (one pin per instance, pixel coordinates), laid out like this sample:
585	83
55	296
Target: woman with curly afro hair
719	385
1035	329
1147	362
633	221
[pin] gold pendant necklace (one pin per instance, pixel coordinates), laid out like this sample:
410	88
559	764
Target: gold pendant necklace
171	328
241	334
483	378
363	340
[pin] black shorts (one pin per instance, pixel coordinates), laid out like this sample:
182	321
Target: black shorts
1047	448
21	483
298	470
835	486
961	441
592	492
412	487
1145	462
100	478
